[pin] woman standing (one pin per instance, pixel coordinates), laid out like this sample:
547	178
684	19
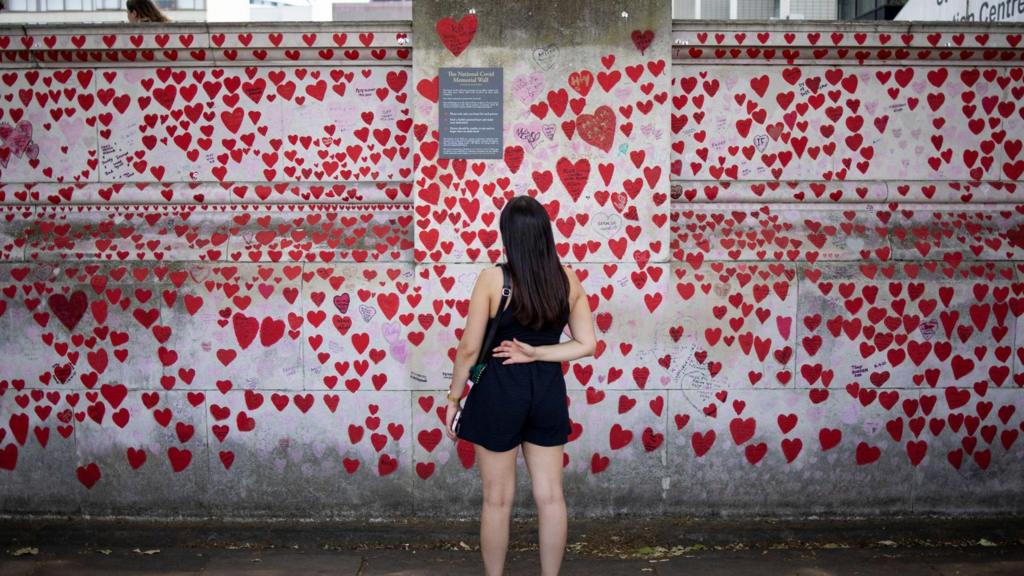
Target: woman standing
521	396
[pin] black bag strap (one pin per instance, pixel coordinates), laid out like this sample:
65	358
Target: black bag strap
506	289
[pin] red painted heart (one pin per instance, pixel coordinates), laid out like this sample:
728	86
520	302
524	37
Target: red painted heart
456	36
597	129
68	310
642	39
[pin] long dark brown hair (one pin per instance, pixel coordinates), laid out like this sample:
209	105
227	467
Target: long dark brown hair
146	10
540	296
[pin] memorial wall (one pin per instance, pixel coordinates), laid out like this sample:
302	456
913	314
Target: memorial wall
235	260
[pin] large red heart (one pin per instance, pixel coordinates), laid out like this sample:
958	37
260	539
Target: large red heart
428	88
68	310
456	36
573	175
246	329
642	39
88	475
597	129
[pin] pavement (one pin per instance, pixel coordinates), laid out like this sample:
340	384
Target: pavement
660	546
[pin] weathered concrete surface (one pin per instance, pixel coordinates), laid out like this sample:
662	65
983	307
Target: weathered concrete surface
234	271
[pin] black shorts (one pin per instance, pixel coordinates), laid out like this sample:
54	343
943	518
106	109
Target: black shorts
516	402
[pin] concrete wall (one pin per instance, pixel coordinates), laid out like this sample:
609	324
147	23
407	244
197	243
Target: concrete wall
234	271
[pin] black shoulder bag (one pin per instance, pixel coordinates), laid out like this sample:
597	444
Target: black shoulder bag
477	369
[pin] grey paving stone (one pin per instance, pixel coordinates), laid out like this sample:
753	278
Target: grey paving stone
980	567
112	567
528	564
838	562
282	563
61	559
421	563
17	567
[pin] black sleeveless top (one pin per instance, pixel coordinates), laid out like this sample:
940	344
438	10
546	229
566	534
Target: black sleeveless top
510	328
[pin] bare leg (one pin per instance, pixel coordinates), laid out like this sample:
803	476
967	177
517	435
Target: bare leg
498	472
545	466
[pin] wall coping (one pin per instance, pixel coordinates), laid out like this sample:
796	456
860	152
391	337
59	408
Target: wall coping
843	42
889	26
843	25
388	42
126	44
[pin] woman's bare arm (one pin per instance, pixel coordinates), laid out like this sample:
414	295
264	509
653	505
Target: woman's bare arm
581	324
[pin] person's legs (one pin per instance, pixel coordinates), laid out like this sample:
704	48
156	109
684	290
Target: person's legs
498	472
545	466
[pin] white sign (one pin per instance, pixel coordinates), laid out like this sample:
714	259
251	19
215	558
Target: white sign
963	10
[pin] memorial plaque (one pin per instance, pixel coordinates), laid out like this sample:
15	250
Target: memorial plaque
470	110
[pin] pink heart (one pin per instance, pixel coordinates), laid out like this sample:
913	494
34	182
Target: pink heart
341	302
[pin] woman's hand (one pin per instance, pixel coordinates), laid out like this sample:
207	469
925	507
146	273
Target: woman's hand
515	351
452	409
